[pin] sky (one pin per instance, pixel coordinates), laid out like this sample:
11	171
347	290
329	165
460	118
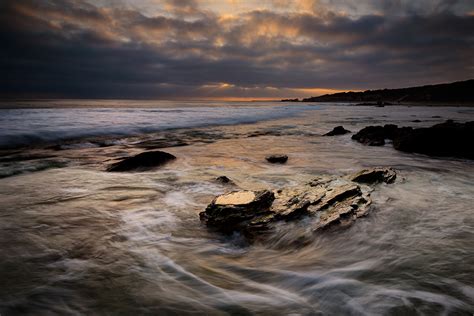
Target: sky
230	49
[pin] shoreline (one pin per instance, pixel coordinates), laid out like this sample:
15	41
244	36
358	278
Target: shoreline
102	138
406	104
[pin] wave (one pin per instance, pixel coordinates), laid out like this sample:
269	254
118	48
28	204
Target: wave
25	127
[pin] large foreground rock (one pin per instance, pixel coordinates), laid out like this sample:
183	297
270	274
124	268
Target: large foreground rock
142	162
235	210
445	139
327	200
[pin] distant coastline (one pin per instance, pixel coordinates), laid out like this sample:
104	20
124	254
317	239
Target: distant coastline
452	94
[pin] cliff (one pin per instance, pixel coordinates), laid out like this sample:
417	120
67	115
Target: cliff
461	91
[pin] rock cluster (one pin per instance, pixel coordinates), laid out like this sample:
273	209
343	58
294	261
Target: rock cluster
445	139
329	200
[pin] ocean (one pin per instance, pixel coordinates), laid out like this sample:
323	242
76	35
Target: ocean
76	239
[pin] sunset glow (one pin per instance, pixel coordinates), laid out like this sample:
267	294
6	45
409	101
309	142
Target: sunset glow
230	49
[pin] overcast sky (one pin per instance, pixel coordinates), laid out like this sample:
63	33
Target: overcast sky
230	49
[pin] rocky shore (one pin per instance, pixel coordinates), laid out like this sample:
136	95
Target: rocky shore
328	200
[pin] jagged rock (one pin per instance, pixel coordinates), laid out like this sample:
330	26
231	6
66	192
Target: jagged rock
141	162
338	130
234	210
375	175
277	158
293	202
224	180
344	211
328	200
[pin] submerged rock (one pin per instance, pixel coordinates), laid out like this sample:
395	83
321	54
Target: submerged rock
327	200
375	175
338	130
224	180
277	158
445	139
141	162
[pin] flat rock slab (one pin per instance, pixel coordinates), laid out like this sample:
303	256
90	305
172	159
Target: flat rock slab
329	200
142	162
236	198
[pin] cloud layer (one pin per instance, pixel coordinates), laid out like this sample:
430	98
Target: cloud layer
232	49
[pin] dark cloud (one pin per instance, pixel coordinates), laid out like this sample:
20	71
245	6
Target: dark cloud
74	49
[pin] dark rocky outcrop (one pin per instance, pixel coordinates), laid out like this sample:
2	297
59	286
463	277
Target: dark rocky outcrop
277	158
376	135
455	92
371	136
327	200
338	130
142	162
445	139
